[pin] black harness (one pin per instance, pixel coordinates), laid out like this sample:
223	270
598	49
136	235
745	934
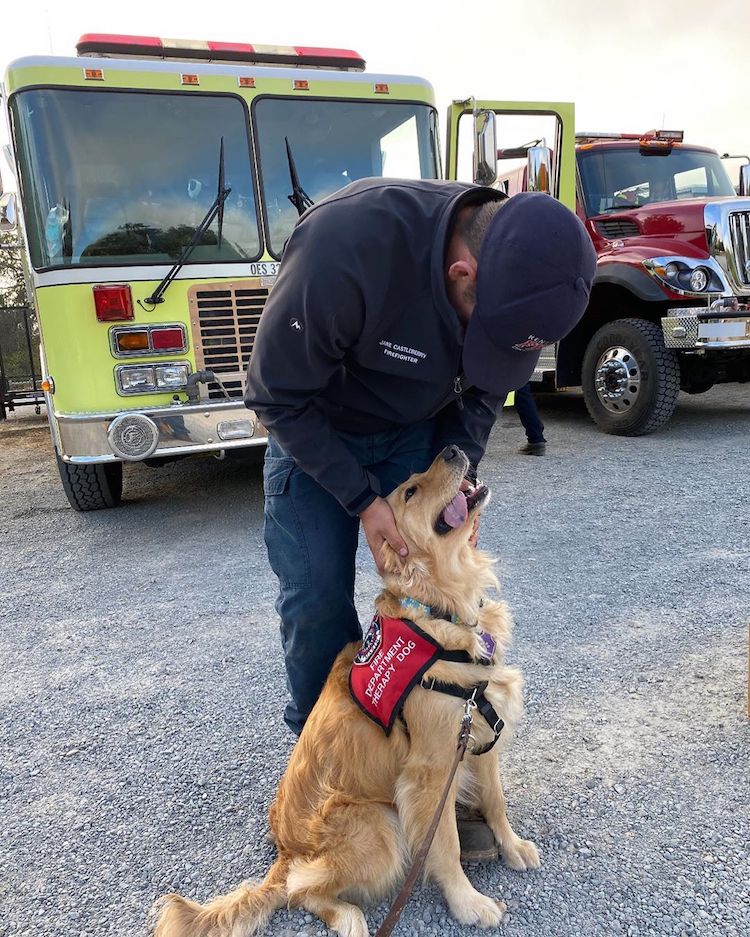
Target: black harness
474	693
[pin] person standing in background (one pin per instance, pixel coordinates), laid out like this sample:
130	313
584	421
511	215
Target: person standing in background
529	415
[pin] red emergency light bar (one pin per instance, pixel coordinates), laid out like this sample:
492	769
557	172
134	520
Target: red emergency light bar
104	44
665	136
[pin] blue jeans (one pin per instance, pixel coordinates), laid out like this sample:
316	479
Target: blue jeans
528	414
312	543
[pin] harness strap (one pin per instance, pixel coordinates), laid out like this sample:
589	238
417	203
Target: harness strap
483	705
463	657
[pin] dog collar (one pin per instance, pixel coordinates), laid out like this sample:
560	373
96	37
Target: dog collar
487	640
428	610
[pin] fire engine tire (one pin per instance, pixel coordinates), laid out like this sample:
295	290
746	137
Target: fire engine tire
630	380
91	487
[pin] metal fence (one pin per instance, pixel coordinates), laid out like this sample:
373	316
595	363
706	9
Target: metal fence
20	370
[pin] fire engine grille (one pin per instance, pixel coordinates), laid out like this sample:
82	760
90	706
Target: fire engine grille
739	226
618	228
224	319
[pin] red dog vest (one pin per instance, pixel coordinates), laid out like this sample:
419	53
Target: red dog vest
394	655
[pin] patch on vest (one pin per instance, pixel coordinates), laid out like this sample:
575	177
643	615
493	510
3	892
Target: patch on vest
394	656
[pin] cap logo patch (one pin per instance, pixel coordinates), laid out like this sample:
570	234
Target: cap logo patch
532	343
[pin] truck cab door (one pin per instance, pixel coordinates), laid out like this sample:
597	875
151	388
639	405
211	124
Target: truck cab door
533	145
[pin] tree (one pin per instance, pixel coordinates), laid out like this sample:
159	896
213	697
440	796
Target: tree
12	285
19	330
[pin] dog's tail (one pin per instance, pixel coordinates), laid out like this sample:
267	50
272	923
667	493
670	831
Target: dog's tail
242	912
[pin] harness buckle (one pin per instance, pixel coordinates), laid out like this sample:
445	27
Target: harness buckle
430	685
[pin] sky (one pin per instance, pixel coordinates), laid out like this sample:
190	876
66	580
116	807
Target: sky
628	66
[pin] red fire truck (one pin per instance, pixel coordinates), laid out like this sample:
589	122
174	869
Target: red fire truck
670	309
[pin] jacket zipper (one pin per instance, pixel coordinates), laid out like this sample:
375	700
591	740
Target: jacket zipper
458	391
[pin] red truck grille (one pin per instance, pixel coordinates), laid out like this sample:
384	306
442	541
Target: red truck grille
618	228
739	226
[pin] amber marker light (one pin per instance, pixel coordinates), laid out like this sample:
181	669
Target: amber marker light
93	74
190	80
300	84
132	341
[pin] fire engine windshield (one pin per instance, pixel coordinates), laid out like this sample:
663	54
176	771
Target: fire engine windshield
115	178
335	142
617	178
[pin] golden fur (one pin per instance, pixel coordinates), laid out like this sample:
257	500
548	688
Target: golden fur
354	804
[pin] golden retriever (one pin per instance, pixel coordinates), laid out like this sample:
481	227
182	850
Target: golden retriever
354	804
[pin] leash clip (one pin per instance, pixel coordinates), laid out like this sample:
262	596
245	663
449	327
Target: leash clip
464	734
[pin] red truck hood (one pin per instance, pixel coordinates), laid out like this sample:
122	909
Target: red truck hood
664	228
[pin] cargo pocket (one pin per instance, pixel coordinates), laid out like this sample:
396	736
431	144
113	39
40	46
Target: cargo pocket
282	530
276	475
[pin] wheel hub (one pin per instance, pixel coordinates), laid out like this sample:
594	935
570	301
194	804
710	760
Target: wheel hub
617	380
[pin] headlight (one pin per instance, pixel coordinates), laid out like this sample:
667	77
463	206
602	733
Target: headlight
151	379
699	279
686	275
136	380
171	377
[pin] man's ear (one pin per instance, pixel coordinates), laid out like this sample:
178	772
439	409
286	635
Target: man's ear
464	269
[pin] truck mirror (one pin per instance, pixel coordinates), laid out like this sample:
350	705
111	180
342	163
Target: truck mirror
8	217
540	169
485	148
744	186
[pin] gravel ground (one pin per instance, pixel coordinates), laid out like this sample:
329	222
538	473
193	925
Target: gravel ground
141	737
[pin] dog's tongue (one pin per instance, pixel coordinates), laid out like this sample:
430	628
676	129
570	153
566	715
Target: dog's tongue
457	511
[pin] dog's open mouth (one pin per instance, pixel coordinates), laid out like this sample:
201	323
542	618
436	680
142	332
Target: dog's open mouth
456	512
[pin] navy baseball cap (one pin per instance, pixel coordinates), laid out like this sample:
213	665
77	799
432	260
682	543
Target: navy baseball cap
534	275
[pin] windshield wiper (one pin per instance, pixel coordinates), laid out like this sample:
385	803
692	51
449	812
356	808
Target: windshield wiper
299	198
216	209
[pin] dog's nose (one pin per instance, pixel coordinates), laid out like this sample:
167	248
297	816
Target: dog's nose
450	453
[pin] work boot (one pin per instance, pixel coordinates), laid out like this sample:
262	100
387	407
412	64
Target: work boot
476	838
533	448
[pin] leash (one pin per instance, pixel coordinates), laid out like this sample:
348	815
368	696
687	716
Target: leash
399	903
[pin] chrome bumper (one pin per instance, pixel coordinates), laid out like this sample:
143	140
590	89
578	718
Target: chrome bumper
85	437
685	330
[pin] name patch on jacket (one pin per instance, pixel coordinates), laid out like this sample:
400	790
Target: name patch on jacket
394	656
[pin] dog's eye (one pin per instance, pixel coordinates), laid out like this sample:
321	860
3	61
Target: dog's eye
409	492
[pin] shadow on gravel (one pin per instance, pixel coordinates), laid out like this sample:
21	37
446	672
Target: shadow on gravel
216	491
722	408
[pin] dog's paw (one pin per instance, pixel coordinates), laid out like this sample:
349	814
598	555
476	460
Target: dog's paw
350	922
520	854
478	910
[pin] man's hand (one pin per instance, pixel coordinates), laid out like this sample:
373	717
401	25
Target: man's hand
466	485
379	525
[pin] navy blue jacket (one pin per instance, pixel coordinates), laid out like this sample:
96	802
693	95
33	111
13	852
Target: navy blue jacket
358	334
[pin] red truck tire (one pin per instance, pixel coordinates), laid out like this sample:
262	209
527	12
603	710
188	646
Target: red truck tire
630	380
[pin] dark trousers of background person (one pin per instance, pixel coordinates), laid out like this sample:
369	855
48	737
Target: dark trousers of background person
528	414
312	543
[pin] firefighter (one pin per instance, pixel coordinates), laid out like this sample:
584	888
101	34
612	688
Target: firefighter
403	313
